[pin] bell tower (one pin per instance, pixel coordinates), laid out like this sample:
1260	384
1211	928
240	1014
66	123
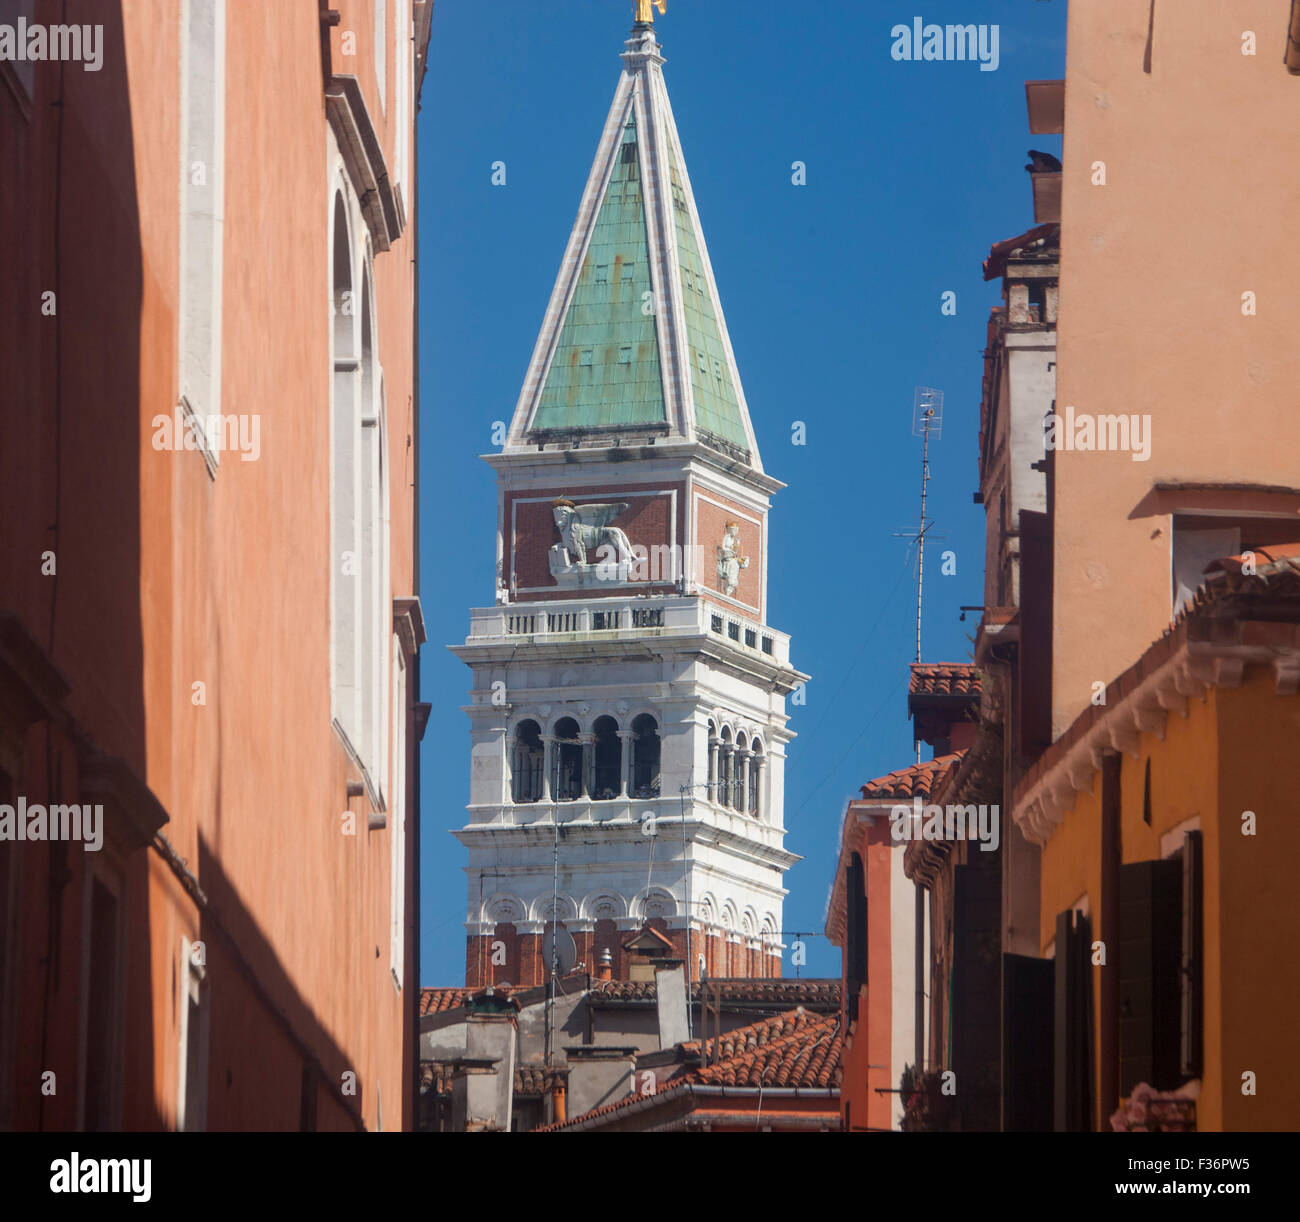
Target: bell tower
627	709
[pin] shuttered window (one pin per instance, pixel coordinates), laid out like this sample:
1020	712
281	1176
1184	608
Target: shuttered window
1072	1045
1190	1058
1150	954
855	939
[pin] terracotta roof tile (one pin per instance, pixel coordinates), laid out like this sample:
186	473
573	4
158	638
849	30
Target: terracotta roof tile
944	679
914	781
794	1049
435	1001
529	1079
812	993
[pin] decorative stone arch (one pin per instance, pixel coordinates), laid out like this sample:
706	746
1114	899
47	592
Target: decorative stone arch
645	778
757	772
541	913
503	908
708	910
654	902
568	762
604	906
771	945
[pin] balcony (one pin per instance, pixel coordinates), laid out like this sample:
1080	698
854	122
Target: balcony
617	619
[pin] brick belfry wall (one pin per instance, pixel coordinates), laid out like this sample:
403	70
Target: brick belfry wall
524	962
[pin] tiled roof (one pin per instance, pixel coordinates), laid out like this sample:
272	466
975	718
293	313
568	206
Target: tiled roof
1231	609
995	265
794	1049
944	679
529	1079
435	1001
914	781
815	994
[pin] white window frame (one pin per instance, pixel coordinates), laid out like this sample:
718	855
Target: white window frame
192	1098
405	87
397	820
381	53
360	615
202	219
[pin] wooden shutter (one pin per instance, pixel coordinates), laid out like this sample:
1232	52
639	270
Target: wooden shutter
855	937
1072	1012
1150	951
1190	1058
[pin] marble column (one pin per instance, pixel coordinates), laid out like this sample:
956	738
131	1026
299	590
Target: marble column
715	785
626	739
548	762
586	780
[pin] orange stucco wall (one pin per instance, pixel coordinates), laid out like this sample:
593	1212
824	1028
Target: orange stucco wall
1199	164
168	577
1233	752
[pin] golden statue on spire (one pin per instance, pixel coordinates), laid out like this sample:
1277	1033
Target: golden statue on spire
644	10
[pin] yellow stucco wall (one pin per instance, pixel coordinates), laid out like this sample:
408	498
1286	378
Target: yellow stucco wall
1236	750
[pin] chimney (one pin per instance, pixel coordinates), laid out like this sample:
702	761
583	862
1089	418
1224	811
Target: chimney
483	1088
599	1074
559	1113
670	999
605	970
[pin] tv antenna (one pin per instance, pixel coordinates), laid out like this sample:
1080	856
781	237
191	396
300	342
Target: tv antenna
927	423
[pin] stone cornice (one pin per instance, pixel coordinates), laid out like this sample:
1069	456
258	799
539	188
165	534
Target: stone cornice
1197	655
345	107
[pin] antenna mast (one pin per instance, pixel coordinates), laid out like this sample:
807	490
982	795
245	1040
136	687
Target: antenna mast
927	422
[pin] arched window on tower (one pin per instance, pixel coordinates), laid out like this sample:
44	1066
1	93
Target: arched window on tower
566	782
726	760
645	757
713	762
529	754
740	788
607	772
756	765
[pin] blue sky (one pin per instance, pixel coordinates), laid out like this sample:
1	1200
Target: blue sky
832	297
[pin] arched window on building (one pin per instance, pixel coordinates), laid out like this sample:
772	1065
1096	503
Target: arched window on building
343	490
566	780
359	615
726	761
645	757
527	765
608	767
757	763
739	789
713	762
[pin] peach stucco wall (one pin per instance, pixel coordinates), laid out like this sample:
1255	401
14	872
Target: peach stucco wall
1201	188
169	577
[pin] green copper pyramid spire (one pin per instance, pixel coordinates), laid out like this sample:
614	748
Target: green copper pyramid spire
634	340
716	408
605	372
